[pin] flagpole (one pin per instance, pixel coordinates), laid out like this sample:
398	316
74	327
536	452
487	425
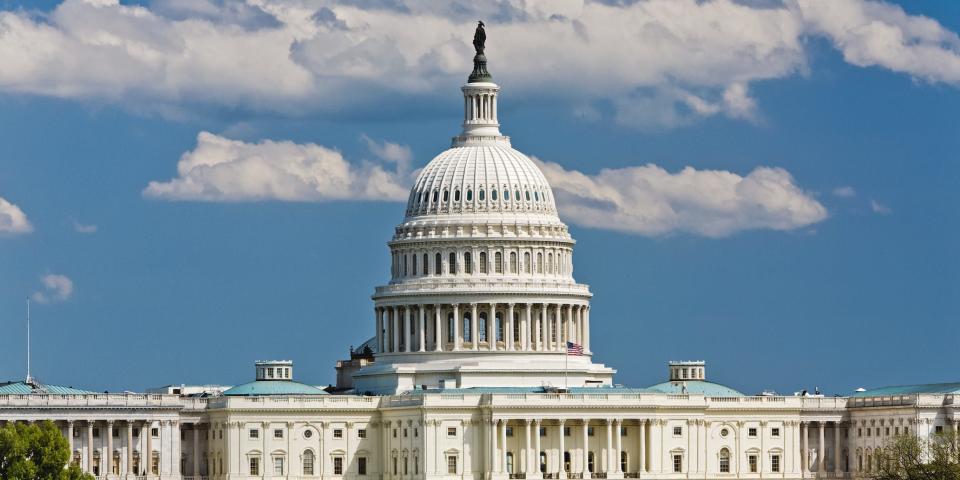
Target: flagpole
566	359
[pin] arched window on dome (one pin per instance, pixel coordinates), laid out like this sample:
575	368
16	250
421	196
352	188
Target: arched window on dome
480	195
482	327
446	196
516	327
414	259
467	263
513	262
539	262
506	194
498	262
499	326
456	195
528	195
549	262
483	262
436	194
469	195
493	195
516	195
426	264
468	327
536	196
526	262
404	264
452	267
450	328
437	264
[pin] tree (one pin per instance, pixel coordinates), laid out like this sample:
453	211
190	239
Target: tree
908	457
36	451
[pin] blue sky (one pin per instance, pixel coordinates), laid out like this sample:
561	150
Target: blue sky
838	269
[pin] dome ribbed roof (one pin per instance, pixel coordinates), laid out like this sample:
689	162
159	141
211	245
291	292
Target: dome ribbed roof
483	176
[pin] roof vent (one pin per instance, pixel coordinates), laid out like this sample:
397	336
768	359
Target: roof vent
274	369
687	370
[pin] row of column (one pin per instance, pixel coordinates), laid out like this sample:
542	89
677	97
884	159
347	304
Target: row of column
479	106
805	452
525	327
133	463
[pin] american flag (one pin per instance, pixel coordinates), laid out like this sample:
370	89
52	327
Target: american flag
574	349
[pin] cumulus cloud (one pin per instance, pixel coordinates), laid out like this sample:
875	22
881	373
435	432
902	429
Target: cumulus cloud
686	59
225	170
649	200
56	288
12	220
845	191
879	208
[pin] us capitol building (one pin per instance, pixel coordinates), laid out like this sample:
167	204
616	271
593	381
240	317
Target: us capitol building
480	369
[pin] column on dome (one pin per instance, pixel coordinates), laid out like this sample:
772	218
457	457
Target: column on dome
508	330
395	334
378	314
524	329
586	329
546	327
492	328
474	327
537	336
456	328
437	330
422	329
561	342
406	328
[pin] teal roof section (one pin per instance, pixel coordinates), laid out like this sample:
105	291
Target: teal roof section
509	390
24	388
910	389
704	387
273	387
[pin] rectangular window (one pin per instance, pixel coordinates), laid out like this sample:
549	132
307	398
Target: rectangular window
338	465
678	463
362	433
752	432
278	433
254	433
868	431
623	431
878	431
936	429
543	431
155	432
416	432
76	433
589	431
394	433
96	432
859	432
566	431
452	464
451	431
509	431
116	432
278	466
404	433
752	460
361	465
337	433
775	463
254	465
886	431
775	432
677	431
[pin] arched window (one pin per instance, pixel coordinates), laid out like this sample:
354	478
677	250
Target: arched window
453	263
450	328
528	195
549	263
526	262
483	262
724	460
516	327
308	462
426	264
513	262
468	327
516	195
506	195
467	263
590	462
482	327
498	262
493	195
499	327
539	262
469	195
456	196
566	462
446	196
435	195
509	462
480	195
404	264
414	265
623	461
437	267
543	462
536	196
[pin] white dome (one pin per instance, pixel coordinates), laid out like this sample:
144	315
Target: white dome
481	177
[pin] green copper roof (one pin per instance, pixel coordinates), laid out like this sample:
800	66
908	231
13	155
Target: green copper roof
909	389
709	389
274	387
23	388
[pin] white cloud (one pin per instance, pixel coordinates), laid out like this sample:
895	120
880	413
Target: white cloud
648	200
221	169
879	208
689	58
12	220
845	191
883	35
84	228
56	288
